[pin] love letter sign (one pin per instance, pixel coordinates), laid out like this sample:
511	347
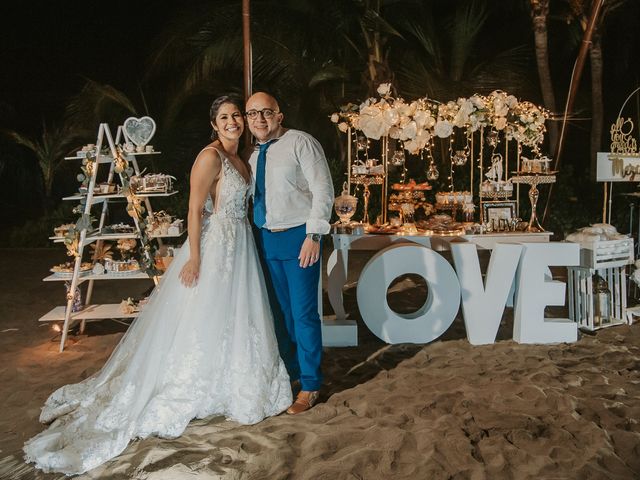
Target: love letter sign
514	269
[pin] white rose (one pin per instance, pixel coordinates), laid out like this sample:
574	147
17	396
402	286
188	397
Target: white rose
391	117
409	131
370	110
343	126
430	123
422	137
500	123
394	132
420	118
477	101
373	127
460	119
335	117
412	146
502	111
466	107
511	101
474	123
384	88
443	129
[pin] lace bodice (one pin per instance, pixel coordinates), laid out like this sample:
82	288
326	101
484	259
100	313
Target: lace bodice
233	193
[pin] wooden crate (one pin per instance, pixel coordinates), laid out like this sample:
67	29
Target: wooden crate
607	254
581	305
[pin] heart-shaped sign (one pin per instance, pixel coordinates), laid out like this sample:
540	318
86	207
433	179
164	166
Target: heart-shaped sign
139	130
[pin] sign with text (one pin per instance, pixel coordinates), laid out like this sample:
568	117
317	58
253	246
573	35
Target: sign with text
523	265
614	167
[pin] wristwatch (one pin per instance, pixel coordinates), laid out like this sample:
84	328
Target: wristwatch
315	237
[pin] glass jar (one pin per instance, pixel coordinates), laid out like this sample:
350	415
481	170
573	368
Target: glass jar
602	301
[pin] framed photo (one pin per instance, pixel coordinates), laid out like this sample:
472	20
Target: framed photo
496	211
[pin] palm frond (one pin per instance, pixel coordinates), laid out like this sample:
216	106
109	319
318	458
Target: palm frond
467	23
97	103
329	73
22	140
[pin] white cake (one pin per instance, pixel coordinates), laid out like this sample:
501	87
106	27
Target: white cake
535	165
453	198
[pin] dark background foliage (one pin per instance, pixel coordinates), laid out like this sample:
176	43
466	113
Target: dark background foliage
67	66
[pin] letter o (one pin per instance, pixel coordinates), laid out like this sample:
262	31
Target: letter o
429	321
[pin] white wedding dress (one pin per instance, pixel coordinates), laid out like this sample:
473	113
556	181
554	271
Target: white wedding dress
191	353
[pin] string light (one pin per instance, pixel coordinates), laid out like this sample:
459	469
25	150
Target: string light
451	140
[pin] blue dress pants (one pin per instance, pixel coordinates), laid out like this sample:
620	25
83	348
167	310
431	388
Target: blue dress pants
295	291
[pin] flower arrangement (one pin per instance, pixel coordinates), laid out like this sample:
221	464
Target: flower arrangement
126	246
415	123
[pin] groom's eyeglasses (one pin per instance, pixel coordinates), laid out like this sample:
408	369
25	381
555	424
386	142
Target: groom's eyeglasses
266	113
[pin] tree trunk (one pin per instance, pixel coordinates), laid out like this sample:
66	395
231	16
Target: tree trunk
47	201
597	108
378	70
539	13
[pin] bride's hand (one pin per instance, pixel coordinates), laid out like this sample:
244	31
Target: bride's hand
189	273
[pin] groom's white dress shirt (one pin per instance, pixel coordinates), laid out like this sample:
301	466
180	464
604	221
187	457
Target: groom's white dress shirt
298	186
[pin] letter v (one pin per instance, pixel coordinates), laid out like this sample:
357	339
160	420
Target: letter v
482	307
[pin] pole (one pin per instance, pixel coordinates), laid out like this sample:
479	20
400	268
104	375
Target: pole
246	44
574	84
247	59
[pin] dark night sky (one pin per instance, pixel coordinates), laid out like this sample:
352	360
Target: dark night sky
47	48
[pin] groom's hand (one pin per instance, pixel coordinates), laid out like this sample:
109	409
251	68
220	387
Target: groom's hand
309	253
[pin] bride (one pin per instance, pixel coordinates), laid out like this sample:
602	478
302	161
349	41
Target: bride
203	345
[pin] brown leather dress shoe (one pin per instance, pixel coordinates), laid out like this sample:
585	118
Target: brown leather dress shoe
304	401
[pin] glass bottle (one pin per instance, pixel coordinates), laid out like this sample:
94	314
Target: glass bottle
601	301
345	205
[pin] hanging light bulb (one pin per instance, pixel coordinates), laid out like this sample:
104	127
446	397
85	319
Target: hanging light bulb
432	172
492	138
459	158
398	158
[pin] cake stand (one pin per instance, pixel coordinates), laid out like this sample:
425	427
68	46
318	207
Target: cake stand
534	179
365	181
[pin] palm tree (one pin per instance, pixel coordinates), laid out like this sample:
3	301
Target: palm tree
539	17
449	58
97	103
578	13
49	150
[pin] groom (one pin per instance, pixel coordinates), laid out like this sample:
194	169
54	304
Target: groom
291	210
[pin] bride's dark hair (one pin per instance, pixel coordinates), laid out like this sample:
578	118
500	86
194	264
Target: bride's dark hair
217	103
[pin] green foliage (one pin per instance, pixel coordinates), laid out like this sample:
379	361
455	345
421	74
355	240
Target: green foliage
576	202
49	150
315	55
36	233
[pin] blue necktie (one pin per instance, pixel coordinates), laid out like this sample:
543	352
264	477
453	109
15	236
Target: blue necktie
259	204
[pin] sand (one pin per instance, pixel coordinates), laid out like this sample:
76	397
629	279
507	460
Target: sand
446	410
